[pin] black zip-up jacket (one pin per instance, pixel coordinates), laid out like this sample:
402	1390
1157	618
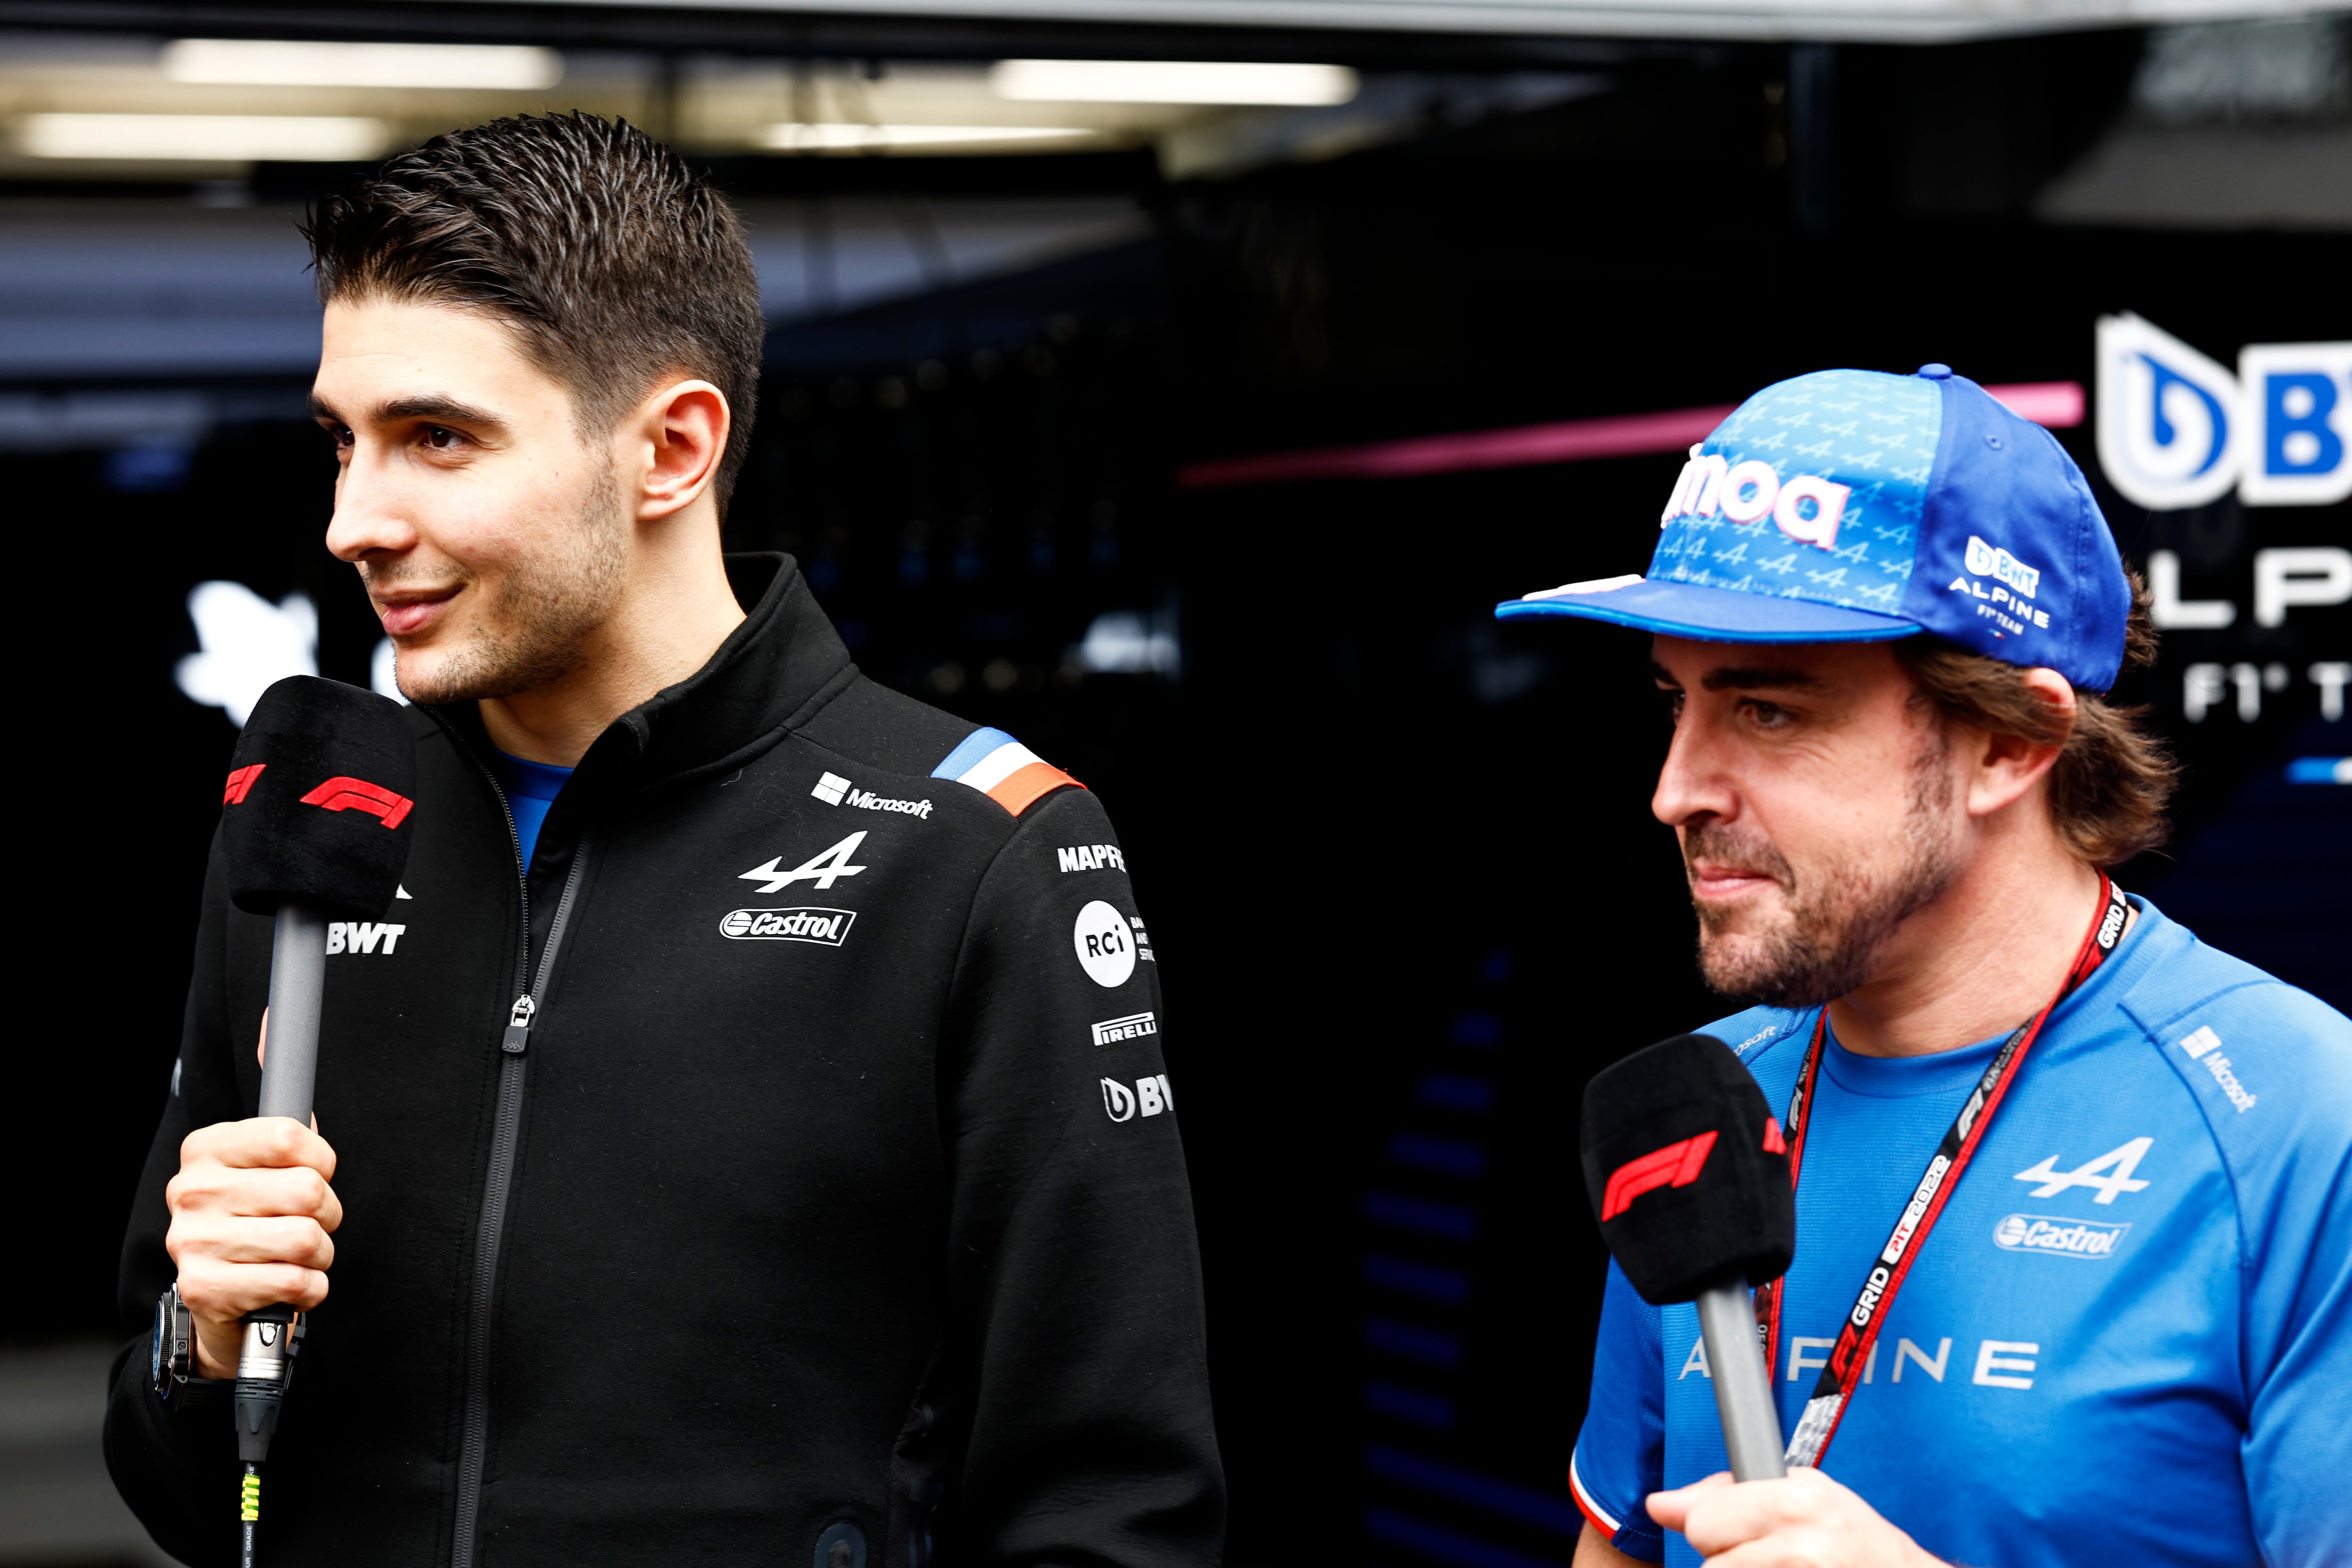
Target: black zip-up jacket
827	1175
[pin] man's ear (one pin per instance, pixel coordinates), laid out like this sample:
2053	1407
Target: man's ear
2011	766
680	434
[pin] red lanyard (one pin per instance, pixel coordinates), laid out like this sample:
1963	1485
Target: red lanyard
1858	1336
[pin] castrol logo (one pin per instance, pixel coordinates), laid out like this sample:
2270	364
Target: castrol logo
827	928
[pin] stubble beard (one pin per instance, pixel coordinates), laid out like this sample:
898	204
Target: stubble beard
540	614
1839	920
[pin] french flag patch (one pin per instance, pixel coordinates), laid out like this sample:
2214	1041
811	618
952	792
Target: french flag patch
1002	769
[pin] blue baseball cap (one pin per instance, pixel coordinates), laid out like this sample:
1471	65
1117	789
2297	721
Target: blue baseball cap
1854	506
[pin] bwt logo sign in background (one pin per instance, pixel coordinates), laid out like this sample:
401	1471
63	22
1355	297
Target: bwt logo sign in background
2177	429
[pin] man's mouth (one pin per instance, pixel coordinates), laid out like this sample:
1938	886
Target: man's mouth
1714	883
405	612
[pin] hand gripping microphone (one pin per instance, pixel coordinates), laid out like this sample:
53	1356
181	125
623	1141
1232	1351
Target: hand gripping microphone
313	827
1689	1180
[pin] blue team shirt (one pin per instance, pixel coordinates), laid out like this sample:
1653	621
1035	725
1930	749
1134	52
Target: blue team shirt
2130	1337
531	788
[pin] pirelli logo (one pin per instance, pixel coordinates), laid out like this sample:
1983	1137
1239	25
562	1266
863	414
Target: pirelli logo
1134	1026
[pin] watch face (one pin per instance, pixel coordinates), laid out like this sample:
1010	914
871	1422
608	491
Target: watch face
157	1353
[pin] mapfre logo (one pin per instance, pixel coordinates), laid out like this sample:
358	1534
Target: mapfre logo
1806	507
826	928
2057	1235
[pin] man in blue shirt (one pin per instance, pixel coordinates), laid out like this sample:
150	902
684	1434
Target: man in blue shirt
2117	1327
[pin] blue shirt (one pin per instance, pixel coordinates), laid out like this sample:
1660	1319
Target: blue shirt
2130	1337
531	788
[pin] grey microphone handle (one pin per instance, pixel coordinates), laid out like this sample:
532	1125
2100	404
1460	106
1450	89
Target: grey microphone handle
1743	1393
298	990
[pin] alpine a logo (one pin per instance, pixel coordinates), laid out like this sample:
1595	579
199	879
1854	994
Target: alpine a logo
1134	1026
2058	1236
826	928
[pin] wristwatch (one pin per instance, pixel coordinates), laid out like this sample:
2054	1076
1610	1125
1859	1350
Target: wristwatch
171	1357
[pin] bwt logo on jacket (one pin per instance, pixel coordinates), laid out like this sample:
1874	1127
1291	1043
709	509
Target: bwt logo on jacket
363	936
1148	1098
827	928
2177	429
1805	507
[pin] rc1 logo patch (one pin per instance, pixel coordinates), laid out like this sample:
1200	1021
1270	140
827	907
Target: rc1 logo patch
826	928
1105	946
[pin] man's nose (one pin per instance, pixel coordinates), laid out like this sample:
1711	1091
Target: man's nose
370	515
1692	780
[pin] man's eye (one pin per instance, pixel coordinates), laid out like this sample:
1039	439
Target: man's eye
442	439
1767	715
1672	701
338	436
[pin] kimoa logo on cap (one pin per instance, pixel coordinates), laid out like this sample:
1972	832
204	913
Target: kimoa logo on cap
1805	507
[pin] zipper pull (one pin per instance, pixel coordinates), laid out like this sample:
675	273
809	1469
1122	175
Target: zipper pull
519	1026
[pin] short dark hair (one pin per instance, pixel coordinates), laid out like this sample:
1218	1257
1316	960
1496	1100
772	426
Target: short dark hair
616	264
2112	780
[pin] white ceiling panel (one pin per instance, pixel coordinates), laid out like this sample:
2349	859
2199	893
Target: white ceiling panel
1886	21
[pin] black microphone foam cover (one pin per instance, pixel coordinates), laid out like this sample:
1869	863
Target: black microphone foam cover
1687	1173
319	794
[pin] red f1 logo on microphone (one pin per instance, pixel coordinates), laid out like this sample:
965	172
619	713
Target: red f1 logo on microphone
240	783
1676	1165
343	792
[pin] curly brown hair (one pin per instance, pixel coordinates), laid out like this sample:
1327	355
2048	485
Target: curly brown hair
2112	779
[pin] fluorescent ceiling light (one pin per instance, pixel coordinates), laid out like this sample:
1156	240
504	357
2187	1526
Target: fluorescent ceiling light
271	62
796	136
210	138
1171	81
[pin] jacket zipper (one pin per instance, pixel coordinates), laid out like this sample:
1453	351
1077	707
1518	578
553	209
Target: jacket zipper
473	1442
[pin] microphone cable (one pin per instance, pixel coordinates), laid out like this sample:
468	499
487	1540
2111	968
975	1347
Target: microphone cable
264	1368
248	1512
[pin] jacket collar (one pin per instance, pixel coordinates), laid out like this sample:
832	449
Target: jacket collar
773	671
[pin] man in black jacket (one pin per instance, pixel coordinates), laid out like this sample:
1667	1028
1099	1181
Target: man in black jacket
749	1137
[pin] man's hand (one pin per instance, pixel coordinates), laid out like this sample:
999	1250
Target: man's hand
251	1218
1806	1520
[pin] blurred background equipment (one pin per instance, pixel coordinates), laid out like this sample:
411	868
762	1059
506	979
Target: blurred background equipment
1170	383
